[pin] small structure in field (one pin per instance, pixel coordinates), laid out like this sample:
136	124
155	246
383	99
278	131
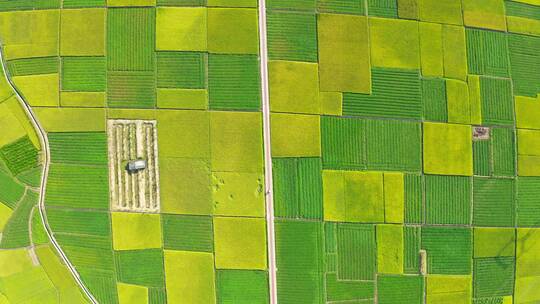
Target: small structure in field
480	133
136	165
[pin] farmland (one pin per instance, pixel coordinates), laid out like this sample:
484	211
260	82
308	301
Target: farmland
373	107
382	190
198	87
27	257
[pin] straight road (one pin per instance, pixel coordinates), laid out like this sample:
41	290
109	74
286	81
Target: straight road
263	51
44	175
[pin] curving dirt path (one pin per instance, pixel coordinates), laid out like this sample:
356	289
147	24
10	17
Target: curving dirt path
44	175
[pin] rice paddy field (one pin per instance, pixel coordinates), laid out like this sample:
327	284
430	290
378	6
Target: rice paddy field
30	270
404	136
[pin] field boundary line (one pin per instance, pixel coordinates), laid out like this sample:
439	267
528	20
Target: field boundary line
46	157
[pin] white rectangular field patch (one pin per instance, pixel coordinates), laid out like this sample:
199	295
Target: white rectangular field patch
130	144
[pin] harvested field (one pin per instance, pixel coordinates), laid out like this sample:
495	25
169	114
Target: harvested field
135	190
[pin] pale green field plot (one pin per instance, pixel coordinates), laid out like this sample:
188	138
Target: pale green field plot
295	135
353	196
68	290
231	3
455	52
527	112
441	289
238	194
183	134
331	103
394	43
82	99
71	119
5	214
528	165
137	3
528	143
523	25
188	99
440	11
232	233
493	242
533	2
294	87
394	197
527	265
5	88
185	186
236	141
431	49
14	261
39	90
132	294
475	100
32	285
16	110
131	2
30	33
448	149
188	35
233	31
136	231
149	114
190	277
457	95
489	14
82	32
10	126
526	290
344	63
389	249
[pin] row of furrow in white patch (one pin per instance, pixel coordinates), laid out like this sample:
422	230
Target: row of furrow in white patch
133	177
142	152
149	140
